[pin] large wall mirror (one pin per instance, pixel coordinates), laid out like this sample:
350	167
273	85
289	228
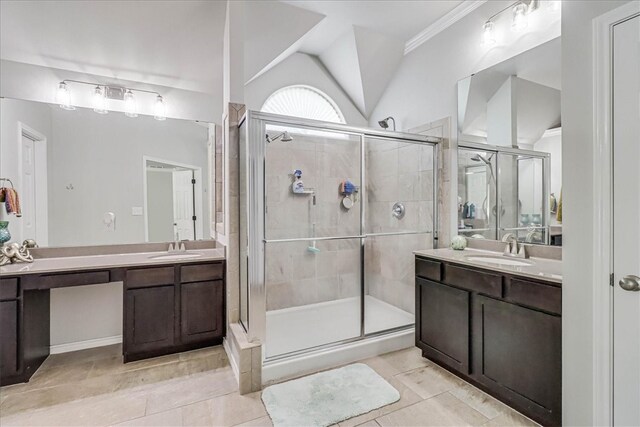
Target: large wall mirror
510	149
85	178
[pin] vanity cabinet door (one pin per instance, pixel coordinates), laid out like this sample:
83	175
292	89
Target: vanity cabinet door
201	311
442	323
9	362
517	354
150	320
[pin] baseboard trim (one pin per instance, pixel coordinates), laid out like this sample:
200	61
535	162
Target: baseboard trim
82	345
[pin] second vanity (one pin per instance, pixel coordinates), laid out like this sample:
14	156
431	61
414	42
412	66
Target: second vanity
496	322
172	302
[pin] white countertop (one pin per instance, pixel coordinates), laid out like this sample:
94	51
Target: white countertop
541	268
50	265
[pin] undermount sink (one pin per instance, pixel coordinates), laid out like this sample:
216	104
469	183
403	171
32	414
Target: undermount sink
170	257
497	260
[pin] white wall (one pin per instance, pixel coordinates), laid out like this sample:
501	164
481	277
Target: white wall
160	219
36	116
301	69
36	83
578	221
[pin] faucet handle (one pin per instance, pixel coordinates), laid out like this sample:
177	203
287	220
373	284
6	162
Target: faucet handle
507	249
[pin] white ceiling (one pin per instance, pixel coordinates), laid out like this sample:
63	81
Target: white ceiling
400	19
168	43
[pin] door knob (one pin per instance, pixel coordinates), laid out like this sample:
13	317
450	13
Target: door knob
630	283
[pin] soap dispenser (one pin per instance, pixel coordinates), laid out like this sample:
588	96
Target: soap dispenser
298	185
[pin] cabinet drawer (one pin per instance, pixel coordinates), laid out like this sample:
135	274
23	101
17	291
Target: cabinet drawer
201	272
429	269
73	279
8	288
145	277
473	280
535	295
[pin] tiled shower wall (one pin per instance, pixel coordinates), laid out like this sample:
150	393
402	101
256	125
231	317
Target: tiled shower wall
297	276
397	172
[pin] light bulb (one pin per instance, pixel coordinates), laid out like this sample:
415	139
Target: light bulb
130	104
519	17
554	5
159	109
63	97
488	34
99	101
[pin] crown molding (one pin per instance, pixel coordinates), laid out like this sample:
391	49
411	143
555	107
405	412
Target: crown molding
443	23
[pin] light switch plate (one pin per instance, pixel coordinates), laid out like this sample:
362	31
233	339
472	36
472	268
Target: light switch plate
136	211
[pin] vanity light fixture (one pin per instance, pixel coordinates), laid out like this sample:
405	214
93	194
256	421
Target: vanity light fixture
99	101
63	97
130	104
101	93
488	34
519	10
520	20
159	109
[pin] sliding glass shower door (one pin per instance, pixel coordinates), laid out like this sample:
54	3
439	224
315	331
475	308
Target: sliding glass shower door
330	216
399	219
313	248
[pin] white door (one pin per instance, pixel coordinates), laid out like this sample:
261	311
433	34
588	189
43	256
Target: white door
28	191
626	227
183	204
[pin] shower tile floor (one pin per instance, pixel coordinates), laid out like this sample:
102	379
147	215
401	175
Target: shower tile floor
308	326
93	387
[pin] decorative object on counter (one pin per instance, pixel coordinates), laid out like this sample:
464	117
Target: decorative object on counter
5	236
12	253
458	243
9	196
525	219
559	212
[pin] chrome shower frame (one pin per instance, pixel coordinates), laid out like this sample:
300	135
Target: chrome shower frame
255	168
546	181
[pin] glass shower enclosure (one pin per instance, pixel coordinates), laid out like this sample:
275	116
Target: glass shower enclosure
329	217
503	191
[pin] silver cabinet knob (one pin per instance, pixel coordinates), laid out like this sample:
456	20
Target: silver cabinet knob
630	283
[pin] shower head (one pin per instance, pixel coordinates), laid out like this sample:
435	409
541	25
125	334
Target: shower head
479	158
284	137
384	124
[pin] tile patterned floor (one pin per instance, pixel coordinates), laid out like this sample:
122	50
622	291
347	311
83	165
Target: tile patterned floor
93	388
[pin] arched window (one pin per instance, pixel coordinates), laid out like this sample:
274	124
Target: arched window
303	101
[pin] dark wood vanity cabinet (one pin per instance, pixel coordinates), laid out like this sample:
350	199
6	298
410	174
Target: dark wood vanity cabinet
442	323
9	366
149	320
500	332
171	309
167	309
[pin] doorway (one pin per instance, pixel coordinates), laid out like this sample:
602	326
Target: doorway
173	201
33	185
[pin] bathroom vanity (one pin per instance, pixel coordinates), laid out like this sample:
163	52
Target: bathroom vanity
497	326
171	304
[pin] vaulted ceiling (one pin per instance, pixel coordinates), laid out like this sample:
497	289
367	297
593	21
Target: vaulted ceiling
180	43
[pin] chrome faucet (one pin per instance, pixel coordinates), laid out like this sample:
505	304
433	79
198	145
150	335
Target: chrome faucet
513	248
177	245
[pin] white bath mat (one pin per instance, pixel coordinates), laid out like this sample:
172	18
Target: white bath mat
328	397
